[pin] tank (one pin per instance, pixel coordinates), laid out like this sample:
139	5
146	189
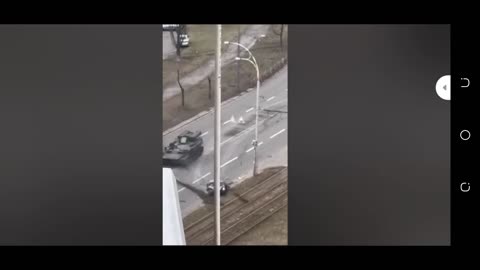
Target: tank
187	147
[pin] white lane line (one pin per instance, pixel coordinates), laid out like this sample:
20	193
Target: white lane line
273	104
270	98
201	178
227	122
260	143
203	134
228	162
182	189
249	110
273	136
251	128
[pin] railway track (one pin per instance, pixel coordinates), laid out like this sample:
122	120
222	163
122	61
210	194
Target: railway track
243	212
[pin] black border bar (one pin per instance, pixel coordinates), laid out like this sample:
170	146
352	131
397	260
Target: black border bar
463	110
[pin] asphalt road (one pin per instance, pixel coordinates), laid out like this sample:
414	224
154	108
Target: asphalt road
168	48
238	126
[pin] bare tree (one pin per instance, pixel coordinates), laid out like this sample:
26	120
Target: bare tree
176	41
181	87
279	33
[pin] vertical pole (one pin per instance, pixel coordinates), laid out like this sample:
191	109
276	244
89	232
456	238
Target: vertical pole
218	101
238	62
255	143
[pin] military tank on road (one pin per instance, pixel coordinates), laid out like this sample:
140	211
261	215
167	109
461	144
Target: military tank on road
187	147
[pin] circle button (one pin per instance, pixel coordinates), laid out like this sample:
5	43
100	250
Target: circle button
465	135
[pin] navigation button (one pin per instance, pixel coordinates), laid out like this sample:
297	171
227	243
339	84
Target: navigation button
465	83
443	87
465	187
465	135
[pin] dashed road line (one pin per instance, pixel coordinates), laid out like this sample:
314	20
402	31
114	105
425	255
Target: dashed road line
260	143
201	178
273	136
270	98
249	110
182	189
273	104
203	134
228	162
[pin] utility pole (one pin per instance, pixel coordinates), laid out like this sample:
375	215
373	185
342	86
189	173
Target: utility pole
238	62
218	102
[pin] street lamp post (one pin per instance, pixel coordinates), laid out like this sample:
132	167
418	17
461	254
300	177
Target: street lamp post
218	106
253	61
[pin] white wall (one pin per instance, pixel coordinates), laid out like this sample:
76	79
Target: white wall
173	231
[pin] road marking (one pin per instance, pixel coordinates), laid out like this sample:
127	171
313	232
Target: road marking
270	98
271	137
231	120
228	162
203	134
260	143
249	110
182	189
201	178
273	104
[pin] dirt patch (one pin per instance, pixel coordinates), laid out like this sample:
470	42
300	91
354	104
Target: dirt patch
270	57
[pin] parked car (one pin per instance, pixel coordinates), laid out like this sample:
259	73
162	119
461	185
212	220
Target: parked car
184	40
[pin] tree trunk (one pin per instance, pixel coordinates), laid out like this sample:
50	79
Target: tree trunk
281	37
181	87
209	88
177	46
176	42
